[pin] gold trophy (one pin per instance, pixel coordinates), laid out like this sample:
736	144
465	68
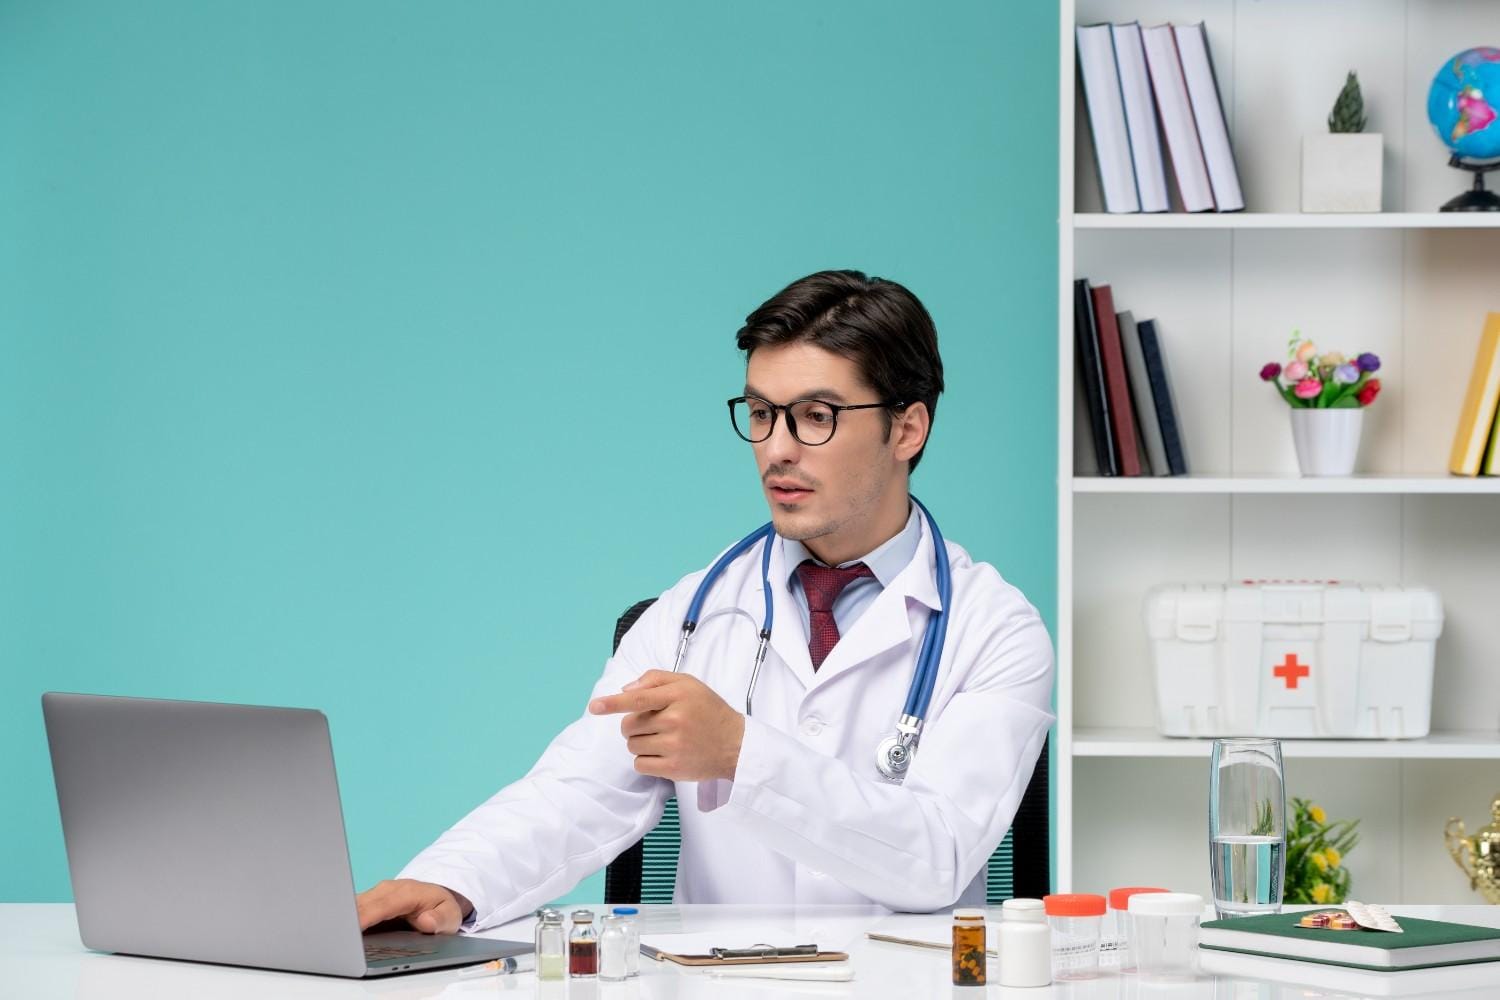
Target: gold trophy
1482	851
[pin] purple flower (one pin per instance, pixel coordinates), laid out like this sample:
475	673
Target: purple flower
1368	362
1270	371
1346	374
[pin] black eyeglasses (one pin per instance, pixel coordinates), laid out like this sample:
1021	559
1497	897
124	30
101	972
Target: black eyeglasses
811	421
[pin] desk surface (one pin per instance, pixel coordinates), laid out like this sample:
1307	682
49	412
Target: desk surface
41	958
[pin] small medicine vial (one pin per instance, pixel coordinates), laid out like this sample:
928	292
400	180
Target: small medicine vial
551	945
629	917
614	940
583	946
969	961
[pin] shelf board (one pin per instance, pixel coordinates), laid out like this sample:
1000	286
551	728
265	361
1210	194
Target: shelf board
1286	484
1288	220
1141	742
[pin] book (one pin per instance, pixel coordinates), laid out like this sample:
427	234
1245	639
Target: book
1101	89
1208	115
1116	382
1342	980
1161	395
1140	119
1478	413
1092	373
1491	465
1176	113
1423	944
1140	395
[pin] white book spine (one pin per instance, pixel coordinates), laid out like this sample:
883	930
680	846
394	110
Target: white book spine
1177	118
1101	87
1208	113
1140	119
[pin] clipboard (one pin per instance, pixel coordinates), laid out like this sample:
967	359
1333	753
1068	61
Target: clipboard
764	954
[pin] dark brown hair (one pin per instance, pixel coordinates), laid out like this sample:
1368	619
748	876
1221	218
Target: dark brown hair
875	323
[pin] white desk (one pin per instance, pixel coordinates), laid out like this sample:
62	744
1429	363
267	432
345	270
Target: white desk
41	958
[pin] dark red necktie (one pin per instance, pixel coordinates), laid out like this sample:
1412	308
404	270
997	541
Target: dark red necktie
823	585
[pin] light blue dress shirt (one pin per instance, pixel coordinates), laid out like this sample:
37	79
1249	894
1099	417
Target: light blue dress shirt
885	562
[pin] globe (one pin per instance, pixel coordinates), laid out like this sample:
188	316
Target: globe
1464	104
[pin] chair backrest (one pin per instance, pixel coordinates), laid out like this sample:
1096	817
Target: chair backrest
1020	867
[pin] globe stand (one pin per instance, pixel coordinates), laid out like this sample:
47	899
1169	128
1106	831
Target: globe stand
1477	198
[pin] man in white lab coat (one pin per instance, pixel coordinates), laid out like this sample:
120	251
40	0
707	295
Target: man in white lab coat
784	803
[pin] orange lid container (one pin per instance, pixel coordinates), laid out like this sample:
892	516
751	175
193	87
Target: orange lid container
1119	899
1074	904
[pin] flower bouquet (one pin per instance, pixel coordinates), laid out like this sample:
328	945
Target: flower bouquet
1327	393
1323	381
1315	850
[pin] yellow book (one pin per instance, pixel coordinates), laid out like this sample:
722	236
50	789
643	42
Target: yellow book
1478	414
1492	453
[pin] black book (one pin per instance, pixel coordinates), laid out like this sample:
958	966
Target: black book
1161	393
1091	369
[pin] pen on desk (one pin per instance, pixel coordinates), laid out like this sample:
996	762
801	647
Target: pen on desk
500	967
914	943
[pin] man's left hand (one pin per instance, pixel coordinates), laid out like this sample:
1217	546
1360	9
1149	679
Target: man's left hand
676	726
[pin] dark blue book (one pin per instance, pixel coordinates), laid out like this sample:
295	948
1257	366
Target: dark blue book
1091	369
1161	395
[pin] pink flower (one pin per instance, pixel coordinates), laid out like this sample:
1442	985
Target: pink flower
1270	371
1308	388
1296	371
1306	350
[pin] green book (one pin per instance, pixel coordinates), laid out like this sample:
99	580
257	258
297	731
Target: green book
1423	944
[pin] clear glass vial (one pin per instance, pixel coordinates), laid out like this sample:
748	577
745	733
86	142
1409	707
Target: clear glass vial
631	918
551	945
583	946
614	942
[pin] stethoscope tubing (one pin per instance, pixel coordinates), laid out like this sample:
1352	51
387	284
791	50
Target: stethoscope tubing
930	656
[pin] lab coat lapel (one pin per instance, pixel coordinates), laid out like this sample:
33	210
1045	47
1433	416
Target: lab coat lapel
887	622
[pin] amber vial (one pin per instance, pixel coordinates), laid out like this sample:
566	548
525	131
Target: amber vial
968	947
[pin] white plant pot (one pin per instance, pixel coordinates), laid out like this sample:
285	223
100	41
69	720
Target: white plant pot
1341	172
1327	440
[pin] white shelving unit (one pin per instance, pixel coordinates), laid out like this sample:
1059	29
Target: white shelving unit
1411	284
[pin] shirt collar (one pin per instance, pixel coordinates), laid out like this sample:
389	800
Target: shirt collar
888	559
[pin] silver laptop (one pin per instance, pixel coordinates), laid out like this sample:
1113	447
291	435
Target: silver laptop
214	833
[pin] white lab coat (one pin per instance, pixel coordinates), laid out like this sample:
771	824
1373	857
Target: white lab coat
807	818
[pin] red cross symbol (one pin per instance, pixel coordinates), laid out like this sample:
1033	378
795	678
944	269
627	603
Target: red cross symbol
1291	671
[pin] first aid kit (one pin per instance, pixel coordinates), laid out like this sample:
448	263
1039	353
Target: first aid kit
1296	660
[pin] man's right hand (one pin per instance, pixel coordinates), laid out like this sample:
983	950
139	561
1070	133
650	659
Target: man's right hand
431	909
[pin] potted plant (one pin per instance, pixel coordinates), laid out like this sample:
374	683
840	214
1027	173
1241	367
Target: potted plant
1327	393
1341	170
1315	850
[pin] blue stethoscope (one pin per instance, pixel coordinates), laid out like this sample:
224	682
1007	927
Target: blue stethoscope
893	755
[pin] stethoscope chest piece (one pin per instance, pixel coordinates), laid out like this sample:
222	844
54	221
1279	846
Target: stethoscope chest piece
894	754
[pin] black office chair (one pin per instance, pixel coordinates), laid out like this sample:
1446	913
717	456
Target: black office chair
1020	867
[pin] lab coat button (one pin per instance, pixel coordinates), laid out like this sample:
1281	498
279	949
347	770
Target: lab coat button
812	727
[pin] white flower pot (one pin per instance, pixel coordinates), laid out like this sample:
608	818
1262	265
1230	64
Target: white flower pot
1341	172
1327	440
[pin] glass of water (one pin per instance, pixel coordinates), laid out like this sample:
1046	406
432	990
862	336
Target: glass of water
1247	827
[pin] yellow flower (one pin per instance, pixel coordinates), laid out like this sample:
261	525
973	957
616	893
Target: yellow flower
1333	856
1317	814
1322	893
1319	862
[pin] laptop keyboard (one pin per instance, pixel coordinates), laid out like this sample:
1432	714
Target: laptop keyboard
379	952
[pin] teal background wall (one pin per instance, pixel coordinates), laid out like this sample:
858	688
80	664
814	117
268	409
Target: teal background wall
372	356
